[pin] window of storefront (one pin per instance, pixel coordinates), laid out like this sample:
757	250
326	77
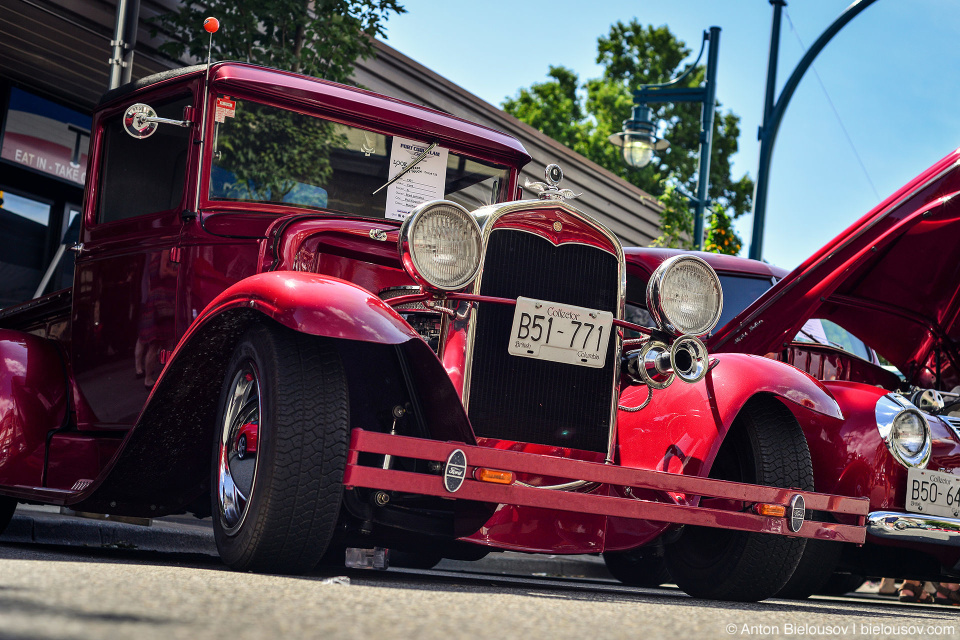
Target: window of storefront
43	164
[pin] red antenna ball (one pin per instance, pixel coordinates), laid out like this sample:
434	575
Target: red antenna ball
211	25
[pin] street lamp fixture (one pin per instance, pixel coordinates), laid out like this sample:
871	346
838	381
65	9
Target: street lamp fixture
638	141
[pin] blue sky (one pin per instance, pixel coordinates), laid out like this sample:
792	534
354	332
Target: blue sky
893	74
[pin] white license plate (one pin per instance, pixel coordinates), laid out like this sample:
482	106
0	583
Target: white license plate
560	333
933	492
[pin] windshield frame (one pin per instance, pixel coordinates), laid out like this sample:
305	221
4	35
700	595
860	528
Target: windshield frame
332	115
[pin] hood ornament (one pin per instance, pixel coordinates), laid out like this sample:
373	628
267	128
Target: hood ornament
550	190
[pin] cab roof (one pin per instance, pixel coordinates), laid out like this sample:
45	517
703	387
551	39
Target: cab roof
337	100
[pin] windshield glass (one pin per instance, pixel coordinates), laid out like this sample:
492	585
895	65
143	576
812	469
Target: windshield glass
819	331
267	154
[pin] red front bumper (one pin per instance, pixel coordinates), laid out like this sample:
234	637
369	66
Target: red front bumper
519	462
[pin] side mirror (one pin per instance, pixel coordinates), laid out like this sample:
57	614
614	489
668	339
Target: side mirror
141	121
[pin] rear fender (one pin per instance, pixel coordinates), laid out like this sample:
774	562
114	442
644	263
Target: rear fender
163	465
682	428
33	402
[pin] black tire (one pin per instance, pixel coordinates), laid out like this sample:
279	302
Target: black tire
765	446
641	567
820	559
292	387
841	583
7	507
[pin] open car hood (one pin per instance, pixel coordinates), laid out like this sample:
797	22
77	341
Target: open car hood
892	279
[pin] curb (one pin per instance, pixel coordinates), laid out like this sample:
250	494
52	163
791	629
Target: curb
43	526
46	525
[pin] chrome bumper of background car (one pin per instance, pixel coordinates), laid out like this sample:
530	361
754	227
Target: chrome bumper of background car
914	527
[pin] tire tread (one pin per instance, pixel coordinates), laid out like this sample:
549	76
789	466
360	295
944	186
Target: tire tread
299	494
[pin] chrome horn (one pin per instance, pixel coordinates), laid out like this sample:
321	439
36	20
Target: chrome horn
651	365
656	364
689	359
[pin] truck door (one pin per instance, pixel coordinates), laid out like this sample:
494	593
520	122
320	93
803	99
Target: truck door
125	286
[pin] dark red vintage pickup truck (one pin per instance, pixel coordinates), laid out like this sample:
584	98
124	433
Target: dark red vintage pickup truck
325	318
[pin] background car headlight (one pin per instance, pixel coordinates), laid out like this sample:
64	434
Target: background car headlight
904	430
909	432
440	245
684	296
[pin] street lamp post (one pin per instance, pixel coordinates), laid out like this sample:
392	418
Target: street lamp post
773	111
638	139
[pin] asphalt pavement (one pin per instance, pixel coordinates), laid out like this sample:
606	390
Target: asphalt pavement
64	577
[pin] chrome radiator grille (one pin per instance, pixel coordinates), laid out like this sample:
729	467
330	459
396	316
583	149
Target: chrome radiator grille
538	401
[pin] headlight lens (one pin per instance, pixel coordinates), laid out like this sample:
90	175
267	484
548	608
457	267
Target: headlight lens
440	245
909	432
904	430
684	296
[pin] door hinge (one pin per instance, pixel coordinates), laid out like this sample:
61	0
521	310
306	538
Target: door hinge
175	254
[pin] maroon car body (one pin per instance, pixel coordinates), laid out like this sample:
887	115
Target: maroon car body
264	348
890	280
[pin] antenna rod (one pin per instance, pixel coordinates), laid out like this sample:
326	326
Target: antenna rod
210	25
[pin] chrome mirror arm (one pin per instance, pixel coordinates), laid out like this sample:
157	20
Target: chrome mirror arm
141	118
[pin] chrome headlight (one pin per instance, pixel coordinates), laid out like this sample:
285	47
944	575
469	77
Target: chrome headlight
904	429
440	245
684	296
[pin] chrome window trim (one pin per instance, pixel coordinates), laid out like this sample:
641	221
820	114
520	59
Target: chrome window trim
487	217
886	411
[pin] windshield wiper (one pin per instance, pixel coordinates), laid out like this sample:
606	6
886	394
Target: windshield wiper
409	166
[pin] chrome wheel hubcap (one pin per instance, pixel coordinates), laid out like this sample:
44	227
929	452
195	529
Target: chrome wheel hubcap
237	466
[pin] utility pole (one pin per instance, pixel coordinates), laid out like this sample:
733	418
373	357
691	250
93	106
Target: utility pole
123	43
773	111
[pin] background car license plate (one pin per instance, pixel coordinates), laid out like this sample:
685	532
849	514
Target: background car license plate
933	492
560	333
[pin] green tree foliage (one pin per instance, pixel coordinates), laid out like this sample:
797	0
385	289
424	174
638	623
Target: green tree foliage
721	237
321	38
582	115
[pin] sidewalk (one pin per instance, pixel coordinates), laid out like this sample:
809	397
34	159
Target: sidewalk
185	534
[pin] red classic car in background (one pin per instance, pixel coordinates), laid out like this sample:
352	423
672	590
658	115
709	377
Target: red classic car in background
888	285
314	313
